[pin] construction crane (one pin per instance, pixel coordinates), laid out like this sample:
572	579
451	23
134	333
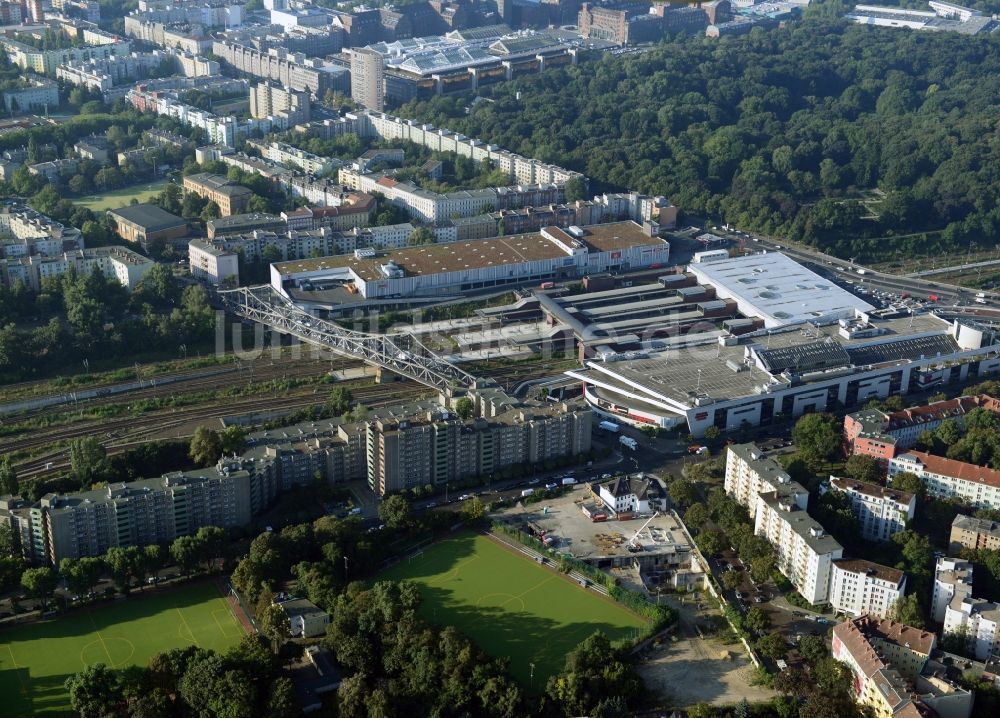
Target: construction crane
633	543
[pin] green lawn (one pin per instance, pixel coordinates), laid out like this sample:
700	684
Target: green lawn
121	197
509	605
36	659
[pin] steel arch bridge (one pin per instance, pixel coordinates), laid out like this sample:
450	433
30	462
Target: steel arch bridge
401	354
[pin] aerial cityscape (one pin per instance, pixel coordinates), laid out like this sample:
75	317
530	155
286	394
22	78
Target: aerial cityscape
505	358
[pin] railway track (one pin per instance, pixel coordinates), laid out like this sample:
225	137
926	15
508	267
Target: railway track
120	435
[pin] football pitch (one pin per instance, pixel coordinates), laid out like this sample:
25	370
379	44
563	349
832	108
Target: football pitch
36	659
511	607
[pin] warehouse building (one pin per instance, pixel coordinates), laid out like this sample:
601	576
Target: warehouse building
812	345
553	253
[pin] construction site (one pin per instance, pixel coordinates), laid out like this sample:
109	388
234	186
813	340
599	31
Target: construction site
653	547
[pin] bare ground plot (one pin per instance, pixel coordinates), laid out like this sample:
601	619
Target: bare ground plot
694	670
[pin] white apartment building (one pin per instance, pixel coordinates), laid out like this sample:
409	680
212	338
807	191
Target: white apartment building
943	478
881	511
221	130
23	233
859	587
212	262
979	619
119	263
285	154
750	473
39	95
805	552
952	578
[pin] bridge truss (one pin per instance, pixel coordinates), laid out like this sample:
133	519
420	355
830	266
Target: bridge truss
401	354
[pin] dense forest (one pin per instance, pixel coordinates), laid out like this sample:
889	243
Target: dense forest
859	140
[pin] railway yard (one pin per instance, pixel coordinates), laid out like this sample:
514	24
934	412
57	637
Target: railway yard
172	406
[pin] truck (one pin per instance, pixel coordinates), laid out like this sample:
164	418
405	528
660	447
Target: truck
527	492
980	300
547	285
629	442
609	426
861	270
568	481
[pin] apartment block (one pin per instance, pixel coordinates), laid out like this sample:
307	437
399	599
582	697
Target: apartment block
268	99
859	587
881	511
943	478
45	62
750	473
213	263
973	533
39	95
892	676
884	435
292	70
285	154
368	78
245	223
805	552
439	447
952	579
24	232
232	198
118	263
979	621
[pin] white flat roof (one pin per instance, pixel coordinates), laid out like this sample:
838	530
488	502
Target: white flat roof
778	289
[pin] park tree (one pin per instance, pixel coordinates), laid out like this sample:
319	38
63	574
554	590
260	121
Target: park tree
340	401
394	511
907	610
465	408
95	692
757	620
211	544
762	567
731	580
864	468
772	646
206	446
813	649
817	438
683	493
473	509
232	439
908	482
186	551
421	236
8	477
81	575
711	542
273	622
40	583
696	516
594	672
88	460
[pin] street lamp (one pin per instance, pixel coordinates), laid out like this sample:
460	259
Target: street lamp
531	678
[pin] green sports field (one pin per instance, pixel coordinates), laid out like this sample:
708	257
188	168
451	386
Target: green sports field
510	606
121	197
36	659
